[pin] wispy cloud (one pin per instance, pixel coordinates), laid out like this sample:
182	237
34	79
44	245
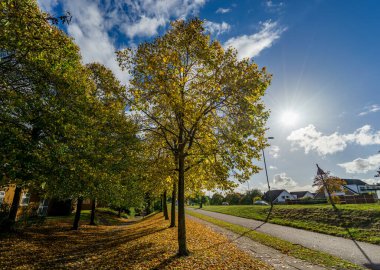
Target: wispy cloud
310	139
271	6
283	181
222	10
216	28
370	109
362	165
272	167
252	45
274	151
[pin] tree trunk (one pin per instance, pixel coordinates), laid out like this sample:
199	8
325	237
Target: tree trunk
77	213
148	204
119	212
328	193
182	249
166	215
201	205
174	198
13	211
93	204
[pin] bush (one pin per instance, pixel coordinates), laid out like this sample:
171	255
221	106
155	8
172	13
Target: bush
257	198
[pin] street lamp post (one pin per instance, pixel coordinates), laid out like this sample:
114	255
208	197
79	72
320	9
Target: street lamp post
265	164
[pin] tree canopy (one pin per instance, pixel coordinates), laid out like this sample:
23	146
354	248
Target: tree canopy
63	125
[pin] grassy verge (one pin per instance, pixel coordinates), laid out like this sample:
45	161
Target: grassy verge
361	222
297	251
148	244
103	216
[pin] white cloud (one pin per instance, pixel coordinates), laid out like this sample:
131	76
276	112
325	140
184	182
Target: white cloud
93	21
362	165
281	181
364	136
146	16
370	109
88	28
216	28
251	46
274	151
372	181
222	10
310	139
272	167
145	27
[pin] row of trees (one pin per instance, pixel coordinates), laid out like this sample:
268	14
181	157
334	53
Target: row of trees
237	198
233	198
63	129
191	118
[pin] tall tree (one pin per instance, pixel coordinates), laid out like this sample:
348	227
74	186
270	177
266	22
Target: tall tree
100	147
202	101
39	88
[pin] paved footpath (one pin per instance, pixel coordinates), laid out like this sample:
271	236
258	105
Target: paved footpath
361	253
271	256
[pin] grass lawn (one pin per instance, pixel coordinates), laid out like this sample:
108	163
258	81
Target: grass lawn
146	244
297	251
362	220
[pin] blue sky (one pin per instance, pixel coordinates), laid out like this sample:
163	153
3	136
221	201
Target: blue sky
324	97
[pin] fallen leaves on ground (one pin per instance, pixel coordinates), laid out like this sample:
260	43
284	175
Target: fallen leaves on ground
148	244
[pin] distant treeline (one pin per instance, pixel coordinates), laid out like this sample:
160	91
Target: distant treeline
232	198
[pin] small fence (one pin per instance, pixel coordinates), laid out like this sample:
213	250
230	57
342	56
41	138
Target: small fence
358	199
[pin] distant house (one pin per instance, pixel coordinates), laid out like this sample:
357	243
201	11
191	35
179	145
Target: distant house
31	203
353	187
277	196
302	195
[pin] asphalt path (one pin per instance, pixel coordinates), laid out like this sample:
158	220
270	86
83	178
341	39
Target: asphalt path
273	257
361	253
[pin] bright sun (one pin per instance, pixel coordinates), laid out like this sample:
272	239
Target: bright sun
289	118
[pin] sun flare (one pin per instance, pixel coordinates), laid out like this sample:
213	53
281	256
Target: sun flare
289	118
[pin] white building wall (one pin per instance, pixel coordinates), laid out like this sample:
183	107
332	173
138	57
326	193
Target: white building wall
284	196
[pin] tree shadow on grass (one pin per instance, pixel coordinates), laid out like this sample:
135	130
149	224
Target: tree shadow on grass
166	262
